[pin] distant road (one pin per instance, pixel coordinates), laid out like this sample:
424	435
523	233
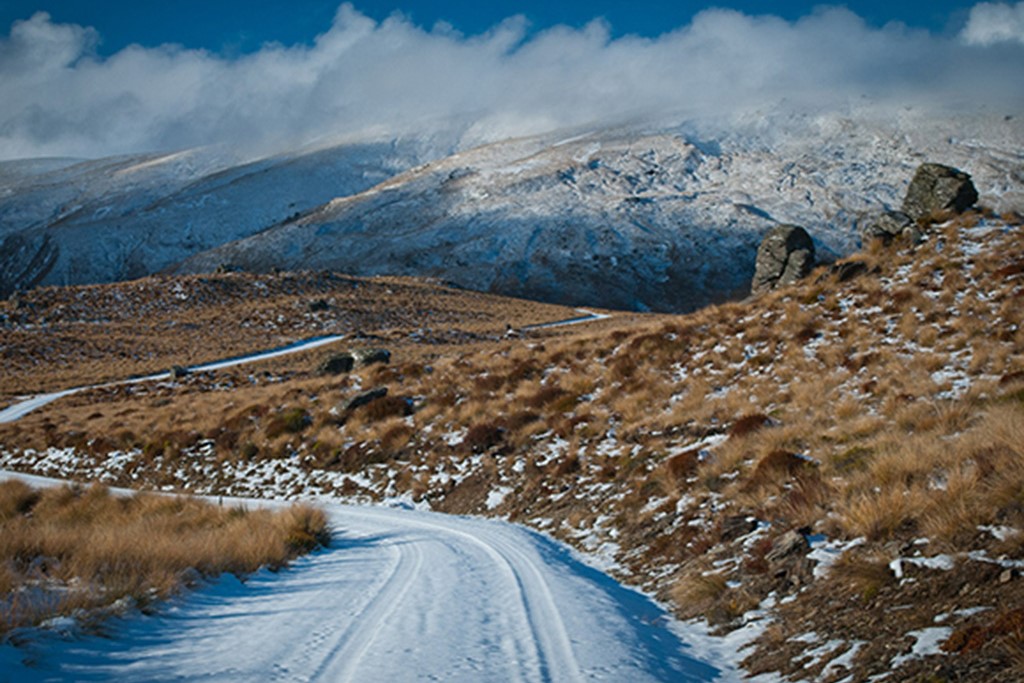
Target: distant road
25	406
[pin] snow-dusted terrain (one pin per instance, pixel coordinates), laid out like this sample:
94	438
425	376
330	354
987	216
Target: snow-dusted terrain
28	404
663	216
72	221
401	595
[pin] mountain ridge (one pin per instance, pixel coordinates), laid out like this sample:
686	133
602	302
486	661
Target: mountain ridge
645	217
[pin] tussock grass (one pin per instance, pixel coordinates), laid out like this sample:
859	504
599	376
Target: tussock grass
887	407
73	548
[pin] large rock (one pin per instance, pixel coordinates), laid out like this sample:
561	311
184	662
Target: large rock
364	357
337	364
938	188
889	226
786	254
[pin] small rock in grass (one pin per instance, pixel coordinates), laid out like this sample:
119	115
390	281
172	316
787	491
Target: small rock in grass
365	398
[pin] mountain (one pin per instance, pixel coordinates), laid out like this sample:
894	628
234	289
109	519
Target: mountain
73	222
658	217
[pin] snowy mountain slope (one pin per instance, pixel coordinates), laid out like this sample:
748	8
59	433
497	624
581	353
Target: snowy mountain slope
663	216
625	219
131	216
400	595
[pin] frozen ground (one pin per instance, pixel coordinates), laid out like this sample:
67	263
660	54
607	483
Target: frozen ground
401	595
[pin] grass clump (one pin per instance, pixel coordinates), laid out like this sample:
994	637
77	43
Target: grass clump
68	549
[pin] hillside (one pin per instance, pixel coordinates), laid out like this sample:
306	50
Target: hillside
660	216
836	463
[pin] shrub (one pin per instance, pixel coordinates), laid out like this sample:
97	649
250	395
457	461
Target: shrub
86	548
483	436
291	421
749	424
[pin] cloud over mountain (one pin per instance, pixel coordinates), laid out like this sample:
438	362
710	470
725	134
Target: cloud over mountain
995	22
57	97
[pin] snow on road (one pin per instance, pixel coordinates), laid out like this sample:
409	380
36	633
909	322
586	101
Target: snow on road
586	316
25	406
401	595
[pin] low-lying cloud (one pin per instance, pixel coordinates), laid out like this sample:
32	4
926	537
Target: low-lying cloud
58	98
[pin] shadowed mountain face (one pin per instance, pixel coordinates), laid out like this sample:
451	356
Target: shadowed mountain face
657	219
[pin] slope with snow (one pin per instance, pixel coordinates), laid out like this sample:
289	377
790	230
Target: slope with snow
662	216
126	217
627	218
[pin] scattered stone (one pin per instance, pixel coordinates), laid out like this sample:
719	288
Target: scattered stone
365	398
337	364
889	226
364	357
318	305
937	188
788	545
735	526
786	254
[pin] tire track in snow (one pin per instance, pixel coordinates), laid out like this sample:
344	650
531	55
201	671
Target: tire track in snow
343	661
320	655
401	595
551	642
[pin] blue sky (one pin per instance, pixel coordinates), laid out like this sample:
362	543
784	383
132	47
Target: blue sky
240	26
97	77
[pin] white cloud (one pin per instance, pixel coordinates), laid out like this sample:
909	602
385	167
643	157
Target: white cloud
58	98
994	22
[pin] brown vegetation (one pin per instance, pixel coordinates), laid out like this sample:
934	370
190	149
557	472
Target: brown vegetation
886	408
67	549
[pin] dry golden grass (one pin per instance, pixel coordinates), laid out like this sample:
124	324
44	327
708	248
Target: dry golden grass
903	388
70	548
89	334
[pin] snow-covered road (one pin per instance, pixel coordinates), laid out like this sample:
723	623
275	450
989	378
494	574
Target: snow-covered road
401	595
26	405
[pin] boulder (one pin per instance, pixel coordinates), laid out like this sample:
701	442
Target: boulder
938	188
889	226
786	254
179	371
365	397
788	562
337	364
364	357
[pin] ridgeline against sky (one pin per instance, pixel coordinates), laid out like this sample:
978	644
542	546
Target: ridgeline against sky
65	91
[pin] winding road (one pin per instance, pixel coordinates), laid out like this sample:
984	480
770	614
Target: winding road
28	404
401	595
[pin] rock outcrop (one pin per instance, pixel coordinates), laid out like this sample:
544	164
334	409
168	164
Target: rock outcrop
889	226
365	398
786	254
937	188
